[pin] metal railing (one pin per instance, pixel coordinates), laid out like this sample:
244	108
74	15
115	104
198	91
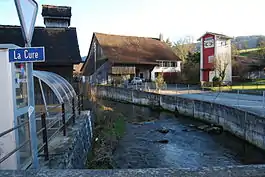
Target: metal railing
19	147
46	127
65	122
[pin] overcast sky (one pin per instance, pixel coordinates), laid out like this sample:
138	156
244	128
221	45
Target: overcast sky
174	18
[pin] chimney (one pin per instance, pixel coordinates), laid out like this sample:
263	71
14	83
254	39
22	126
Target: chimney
56	16
161	37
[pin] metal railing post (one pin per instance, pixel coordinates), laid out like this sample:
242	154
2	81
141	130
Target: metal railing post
63	119
44	136
79	105
82	101
73	109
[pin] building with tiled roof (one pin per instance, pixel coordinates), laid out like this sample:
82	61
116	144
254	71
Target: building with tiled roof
60	40
127	56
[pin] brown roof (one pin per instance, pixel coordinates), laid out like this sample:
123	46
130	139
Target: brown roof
133	49
216	34
56	11
61	44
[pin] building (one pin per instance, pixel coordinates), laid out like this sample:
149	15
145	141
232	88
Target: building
60	40
116	57
215	57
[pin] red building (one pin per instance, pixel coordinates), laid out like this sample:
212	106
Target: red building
215	56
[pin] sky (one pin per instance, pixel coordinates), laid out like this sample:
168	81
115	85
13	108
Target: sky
175	19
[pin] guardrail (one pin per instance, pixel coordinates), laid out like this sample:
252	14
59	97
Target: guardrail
44	147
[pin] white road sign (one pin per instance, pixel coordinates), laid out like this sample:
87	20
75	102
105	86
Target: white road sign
27	12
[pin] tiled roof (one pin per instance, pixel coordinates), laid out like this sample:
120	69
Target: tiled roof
216	34
132	49
61	45
56	11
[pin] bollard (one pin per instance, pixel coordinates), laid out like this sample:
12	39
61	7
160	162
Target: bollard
63	119
44	136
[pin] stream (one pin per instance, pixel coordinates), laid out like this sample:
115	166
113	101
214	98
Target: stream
180	146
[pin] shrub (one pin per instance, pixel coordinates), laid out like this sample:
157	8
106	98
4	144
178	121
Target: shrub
160	81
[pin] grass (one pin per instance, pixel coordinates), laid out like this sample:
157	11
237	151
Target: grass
248	50
109	129
258	84
238	87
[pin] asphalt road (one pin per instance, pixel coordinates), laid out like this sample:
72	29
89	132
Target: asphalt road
250	103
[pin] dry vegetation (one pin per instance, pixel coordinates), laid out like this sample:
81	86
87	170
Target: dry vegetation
109	128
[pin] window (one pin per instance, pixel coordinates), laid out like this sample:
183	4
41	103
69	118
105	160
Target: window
21	85
210	59
160	63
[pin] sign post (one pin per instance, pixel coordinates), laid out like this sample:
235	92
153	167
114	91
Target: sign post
27	12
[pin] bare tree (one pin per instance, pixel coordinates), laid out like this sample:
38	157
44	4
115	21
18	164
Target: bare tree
234	50
221	63
261	51
183	46
168	42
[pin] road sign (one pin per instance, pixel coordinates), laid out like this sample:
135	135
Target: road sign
27	13
32	54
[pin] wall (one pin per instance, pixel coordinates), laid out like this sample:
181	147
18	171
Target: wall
223	52
81	144
245	125
158	69
207	51
230	171
71	151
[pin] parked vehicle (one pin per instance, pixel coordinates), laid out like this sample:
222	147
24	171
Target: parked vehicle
137	80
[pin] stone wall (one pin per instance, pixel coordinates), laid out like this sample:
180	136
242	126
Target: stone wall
81	144
231	171
247	126
70	152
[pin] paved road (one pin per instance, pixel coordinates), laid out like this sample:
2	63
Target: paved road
250	103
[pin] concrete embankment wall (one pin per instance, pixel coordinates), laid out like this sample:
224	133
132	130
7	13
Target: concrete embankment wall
247	126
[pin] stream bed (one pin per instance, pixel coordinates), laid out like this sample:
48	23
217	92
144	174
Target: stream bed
180	145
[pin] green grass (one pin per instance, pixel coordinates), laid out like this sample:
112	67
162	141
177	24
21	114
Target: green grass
258	84
248	50
239	87
119	127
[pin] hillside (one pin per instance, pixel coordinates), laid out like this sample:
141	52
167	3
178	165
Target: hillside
242	43
248	42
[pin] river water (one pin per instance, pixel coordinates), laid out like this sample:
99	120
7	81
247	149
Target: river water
183	146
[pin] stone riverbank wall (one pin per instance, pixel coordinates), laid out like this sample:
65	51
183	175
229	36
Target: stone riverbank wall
244	125
70	151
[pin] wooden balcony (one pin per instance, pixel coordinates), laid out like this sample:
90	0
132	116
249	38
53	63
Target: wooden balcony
123	70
